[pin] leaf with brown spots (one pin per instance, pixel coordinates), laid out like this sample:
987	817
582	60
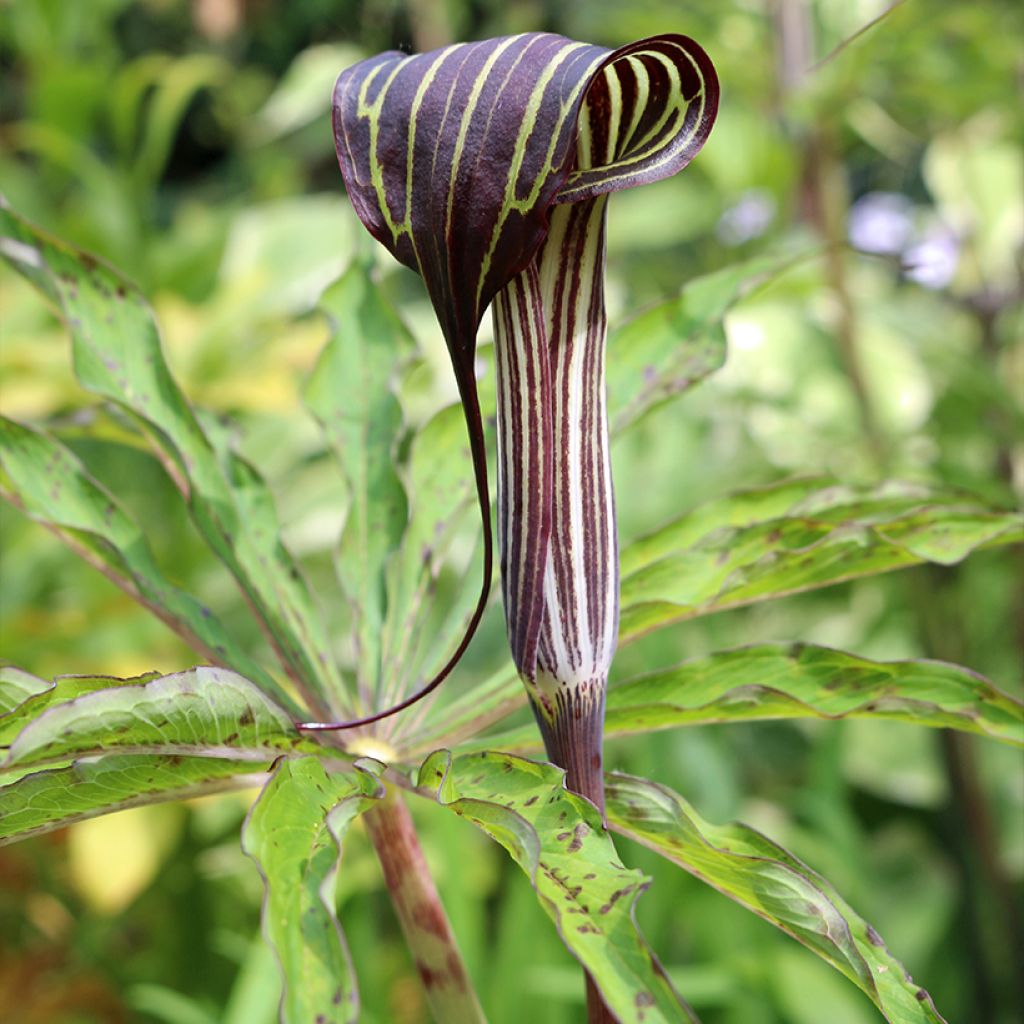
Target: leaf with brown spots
558	839
793	537
40	801
117	356
203	711
771	681
47	482
763	877
294	834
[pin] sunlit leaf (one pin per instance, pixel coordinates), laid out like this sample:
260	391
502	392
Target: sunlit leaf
559	841
117	355
282	253
350	394
798	681
41	801
16	687
59	691
825	536
206	711
303	94
46	481
294	834
676	344
803	680
757	873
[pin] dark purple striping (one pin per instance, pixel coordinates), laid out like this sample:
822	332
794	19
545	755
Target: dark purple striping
472	259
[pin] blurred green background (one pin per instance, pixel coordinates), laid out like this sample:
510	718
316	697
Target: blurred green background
188	142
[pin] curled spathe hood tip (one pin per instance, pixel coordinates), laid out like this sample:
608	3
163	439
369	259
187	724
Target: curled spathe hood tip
453	158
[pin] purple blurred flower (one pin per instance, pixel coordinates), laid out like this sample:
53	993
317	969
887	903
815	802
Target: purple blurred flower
881	222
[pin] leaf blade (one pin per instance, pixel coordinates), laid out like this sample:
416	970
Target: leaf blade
50	485
204	711
676	344
294	833
350	393
757	873
806	680
18	686
559	841
41	801
117	355
776	681
826	536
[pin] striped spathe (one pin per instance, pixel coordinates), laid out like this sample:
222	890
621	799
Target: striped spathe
486	168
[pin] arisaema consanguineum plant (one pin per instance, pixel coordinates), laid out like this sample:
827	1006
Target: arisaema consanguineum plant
79	746
487	168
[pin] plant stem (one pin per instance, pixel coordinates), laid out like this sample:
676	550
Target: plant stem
574	741
825	199
428	933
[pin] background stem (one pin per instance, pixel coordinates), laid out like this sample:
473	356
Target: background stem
428	933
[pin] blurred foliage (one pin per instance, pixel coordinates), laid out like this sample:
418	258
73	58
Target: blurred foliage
189	144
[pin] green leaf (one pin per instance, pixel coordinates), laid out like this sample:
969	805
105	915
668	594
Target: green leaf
440	486
825	536
204	711
44	800
59	691
750	546
350	394
117	355
50	485
742	508
169	1006
16	687
806	681
758	874
559	841
798	681
673	346
303	93
294	833
466	717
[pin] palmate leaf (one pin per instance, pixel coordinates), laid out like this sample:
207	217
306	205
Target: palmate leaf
117	355
205	711
755	545
825	536
669	348
41	801
772	681
294	833
50	485
350	393
760	875
559	841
